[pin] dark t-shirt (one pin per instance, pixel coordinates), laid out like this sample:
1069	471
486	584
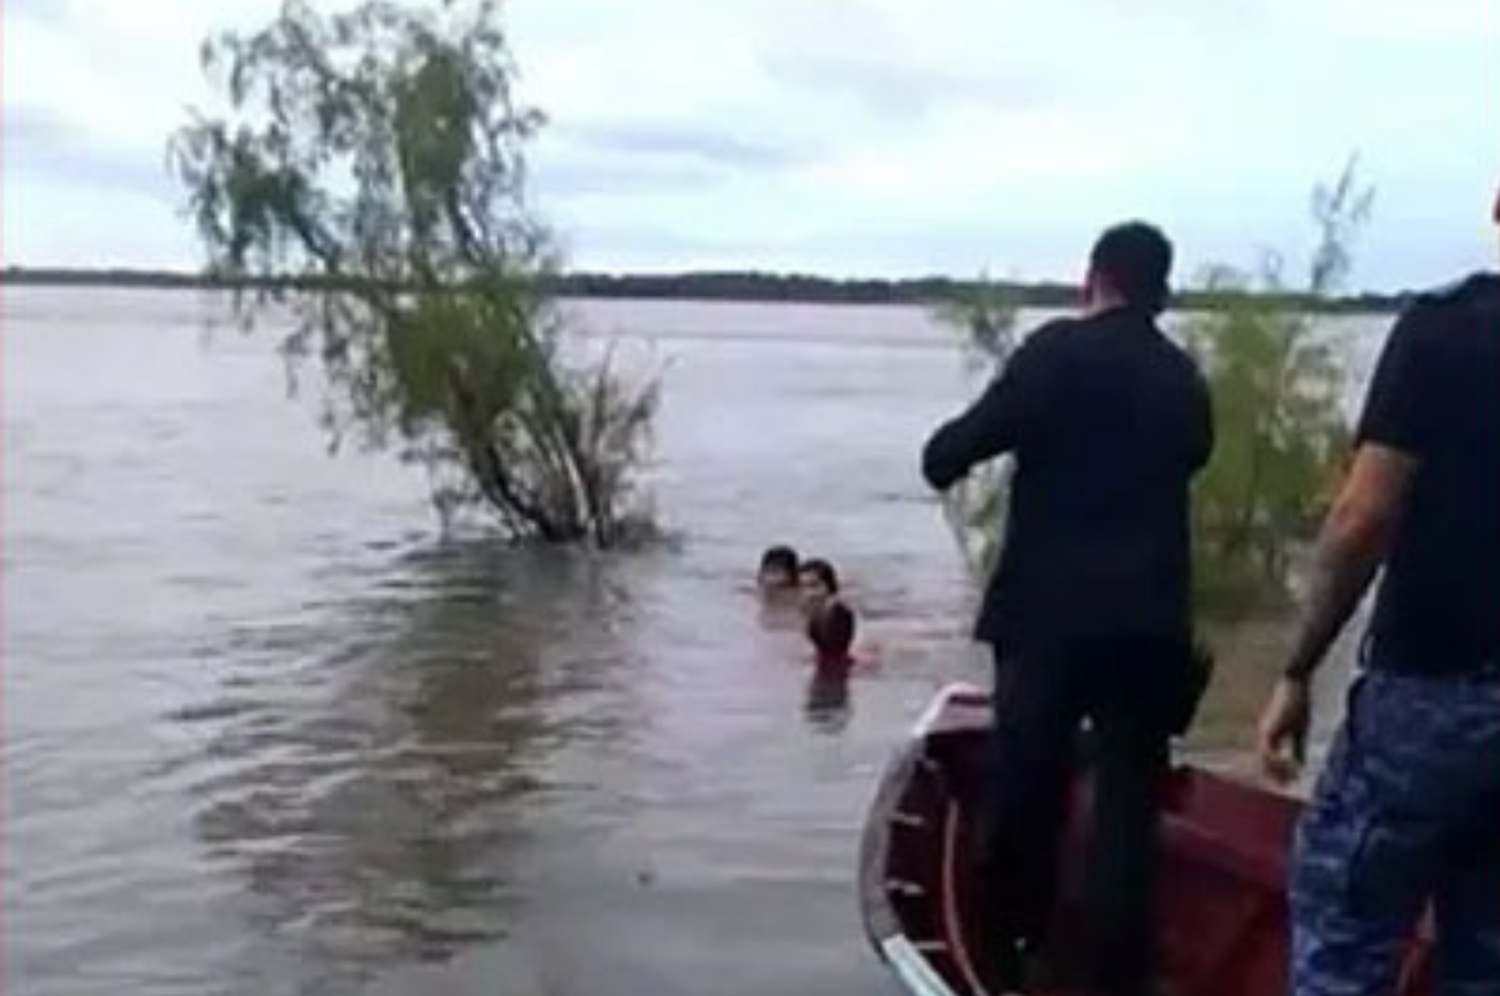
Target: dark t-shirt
1436	397
1108	421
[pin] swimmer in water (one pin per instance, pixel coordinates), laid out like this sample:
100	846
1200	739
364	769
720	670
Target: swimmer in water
778	571
818	583
830	628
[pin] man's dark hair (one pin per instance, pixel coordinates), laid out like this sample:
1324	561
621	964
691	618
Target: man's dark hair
782	558
1136	259
823	571
831	630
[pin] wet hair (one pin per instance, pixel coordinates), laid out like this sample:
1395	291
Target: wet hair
831	630
779	558
823	571
1136	259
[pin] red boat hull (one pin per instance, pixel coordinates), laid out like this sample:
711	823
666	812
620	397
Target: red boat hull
1221	900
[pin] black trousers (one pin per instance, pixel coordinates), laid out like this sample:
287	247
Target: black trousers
1042	698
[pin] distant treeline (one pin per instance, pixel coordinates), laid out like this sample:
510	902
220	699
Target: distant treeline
706	286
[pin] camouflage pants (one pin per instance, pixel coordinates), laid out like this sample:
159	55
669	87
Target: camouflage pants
1406	814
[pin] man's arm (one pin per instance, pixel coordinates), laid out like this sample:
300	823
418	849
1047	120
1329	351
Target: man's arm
1392	434
1355	539
993	425
1358	533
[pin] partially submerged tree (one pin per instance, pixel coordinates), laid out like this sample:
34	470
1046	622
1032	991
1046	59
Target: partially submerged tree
984	314
1281	431
368	173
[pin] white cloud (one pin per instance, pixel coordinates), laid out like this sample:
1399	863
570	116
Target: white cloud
852	136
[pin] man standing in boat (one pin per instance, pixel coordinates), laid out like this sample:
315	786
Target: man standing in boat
1088	612
1407	811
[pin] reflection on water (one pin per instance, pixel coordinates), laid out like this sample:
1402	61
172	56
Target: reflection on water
266	732
376	815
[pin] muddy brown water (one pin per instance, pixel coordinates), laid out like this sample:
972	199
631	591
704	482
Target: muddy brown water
267	731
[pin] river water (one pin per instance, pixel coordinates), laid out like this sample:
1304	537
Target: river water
267	730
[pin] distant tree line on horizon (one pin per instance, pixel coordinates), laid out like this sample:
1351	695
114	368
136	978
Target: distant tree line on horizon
727	286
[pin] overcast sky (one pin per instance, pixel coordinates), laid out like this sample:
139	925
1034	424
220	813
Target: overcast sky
854	137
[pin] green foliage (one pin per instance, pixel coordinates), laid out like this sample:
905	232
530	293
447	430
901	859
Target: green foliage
984	313
368	172
1277	388
1281	434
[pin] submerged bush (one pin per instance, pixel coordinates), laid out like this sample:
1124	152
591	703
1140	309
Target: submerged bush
367	171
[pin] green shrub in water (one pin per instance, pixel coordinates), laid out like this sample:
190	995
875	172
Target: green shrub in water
1277	389
367	173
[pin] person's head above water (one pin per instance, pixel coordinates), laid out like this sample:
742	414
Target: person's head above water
778	568
831	630
1129	265
818	582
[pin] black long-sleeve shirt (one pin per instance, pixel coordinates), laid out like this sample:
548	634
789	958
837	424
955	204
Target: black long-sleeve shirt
1108	421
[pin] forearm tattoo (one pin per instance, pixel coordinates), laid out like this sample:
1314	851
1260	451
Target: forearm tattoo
1340	581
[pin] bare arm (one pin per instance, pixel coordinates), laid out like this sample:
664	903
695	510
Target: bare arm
1356	538
1354	542
1394	431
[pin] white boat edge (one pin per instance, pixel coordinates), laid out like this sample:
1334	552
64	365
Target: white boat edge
915	972
947	698
910	965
